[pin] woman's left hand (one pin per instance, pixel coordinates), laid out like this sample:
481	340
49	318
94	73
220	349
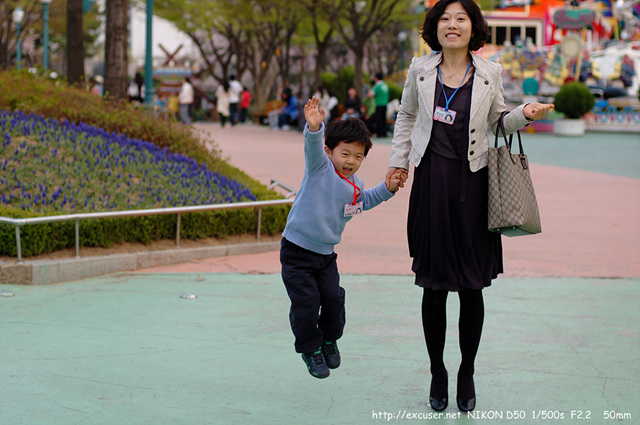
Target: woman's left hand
537	111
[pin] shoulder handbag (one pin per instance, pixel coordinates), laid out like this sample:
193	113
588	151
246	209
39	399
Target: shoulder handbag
513	208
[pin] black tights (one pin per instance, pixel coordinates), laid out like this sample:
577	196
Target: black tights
434	322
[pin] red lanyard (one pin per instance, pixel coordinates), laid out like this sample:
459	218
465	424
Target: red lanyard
356	189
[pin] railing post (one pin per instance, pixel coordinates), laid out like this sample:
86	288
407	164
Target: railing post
77	238
178	231
259	221
18	246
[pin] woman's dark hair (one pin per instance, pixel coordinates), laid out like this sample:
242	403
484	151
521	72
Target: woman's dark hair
225	85
479	27
350	130
286	94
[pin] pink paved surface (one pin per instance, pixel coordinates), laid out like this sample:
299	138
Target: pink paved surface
590	220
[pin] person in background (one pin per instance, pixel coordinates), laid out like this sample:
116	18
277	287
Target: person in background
284	117
138	80
96	85
223	102
245	101
329	103
451	99
185	98
380	92
134	93
173	106
368	108
235	91
352	104
161	106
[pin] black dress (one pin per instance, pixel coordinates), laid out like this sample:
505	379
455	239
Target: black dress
447	224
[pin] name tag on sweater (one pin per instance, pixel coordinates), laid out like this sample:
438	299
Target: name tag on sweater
352	209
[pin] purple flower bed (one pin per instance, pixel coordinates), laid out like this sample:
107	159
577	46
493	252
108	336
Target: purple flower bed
48	166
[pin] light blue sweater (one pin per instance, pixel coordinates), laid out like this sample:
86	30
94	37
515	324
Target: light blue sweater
316	220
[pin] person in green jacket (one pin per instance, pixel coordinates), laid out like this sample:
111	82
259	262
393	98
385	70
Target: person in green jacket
380	93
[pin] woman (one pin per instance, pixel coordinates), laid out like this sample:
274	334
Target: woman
449	100
287	114
351	104
223	101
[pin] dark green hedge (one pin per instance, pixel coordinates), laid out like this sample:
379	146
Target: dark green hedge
44	238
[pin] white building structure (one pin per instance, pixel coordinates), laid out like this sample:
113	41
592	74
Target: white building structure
165	34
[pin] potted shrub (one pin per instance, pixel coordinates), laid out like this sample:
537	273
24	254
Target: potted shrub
573	100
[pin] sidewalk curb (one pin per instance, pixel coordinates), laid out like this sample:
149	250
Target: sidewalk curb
44	272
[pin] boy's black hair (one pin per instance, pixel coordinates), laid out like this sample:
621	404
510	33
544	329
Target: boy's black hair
479	27
350	130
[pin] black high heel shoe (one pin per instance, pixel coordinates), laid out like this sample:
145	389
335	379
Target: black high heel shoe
439	403
466	404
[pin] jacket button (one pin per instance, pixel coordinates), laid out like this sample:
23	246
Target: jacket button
473	130
471	153
486	83
473	142
421	78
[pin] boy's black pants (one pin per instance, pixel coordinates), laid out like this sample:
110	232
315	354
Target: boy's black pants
317	300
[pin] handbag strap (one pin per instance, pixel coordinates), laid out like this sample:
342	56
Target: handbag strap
500	129
523	158
509	142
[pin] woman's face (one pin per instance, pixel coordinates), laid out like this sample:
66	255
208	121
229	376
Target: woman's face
454	28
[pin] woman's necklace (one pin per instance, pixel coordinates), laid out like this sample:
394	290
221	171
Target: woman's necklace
451	74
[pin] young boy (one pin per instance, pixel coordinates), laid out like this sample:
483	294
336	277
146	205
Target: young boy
329	196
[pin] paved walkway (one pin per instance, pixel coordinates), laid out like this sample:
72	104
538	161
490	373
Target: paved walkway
589	218
561	338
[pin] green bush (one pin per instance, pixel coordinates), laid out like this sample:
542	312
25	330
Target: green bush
574	100
395	90
339	83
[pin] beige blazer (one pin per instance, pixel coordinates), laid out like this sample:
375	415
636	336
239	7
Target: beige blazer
415	118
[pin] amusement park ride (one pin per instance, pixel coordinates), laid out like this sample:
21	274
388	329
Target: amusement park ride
543	44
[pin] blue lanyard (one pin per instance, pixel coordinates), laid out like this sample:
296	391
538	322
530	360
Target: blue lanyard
448	100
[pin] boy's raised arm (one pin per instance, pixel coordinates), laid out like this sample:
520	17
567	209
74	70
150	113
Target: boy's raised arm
313	116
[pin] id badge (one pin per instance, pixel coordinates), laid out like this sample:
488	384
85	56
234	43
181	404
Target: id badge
442	115
351	210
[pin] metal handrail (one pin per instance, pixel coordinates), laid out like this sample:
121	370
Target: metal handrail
18	222
274	183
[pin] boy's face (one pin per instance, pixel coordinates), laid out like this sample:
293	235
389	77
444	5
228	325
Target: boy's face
346	157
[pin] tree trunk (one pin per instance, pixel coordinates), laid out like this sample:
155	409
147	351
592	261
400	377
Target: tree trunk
115	61
263	80
358	81
321	62
75	45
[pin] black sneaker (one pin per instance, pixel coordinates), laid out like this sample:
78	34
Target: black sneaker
316	364
331	354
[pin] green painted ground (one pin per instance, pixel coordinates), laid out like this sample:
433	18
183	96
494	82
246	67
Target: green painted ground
127	349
